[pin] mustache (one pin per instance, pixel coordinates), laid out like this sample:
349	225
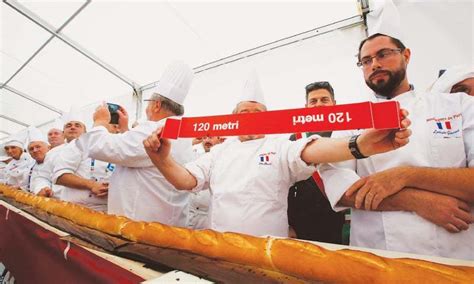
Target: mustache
378	72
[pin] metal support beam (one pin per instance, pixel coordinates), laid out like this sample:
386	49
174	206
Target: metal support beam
45	105
46	122
37	20
46	43
297	38
364	9
5	132
14	120
138	98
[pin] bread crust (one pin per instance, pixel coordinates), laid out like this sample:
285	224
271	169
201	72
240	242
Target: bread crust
288	256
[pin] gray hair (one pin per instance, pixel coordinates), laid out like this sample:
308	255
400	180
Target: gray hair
168	104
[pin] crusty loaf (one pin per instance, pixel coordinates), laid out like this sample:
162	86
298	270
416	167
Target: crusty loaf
292	257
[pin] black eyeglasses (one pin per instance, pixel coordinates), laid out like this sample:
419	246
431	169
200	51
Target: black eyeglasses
381	55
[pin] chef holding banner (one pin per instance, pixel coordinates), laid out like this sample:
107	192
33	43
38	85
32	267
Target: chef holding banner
249	177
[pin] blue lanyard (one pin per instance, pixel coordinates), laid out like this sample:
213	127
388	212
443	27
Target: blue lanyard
92	165
29	177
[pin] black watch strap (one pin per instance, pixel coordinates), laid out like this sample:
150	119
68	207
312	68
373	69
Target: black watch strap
354	148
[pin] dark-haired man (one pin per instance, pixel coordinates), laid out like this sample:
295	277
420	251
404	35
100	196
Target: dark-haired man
309	212
424	191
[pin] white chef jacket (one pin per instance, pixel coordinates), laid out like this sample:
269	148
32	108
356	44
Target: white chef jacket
197	216
32	172
432	144
249	183
44	174
72	160
16	171
137	189
198	149
3	165
198	210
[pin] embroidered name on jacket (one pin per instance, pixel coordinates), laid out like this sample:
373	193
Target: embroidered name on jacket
265	158
446	127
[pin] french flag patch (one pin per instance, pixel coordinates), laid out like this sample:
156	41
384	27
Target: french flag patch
264	159
444	125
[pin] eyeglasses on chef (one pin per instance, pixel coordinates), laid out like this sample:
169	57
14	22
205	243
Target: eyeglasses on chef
381	56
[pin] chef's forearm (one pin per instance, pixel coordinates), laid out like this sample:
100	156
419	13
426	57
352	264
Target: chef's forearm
408	199
456	182
73	181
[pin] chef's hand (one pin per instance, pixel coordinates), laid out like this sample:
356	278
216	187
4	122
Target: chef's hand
123	120
448	212
100	189
374	141
157	148
373	189
101	115
46	192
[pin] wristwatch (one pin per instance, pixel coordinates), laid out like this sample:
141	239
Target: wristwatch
354	148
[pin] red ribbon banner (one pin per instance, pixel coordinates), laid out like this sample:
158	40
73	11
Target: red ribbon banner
383	115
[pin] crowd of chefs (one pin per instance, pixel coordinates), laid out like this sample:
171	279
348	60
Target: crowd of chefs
414	198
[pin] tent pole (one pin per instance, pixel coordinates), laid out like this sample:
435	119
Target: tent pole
44	44
297	38
138	97
16	92
14	120
37	20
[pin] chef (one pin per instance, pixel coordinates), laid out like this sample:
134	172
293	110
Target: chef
249	177
137	189
456	79
85	180
17	169
4	160
38	148
73	126
424	191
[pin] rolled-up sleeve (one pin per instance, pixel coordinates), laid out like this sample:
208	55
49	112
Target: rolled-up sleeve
299	169
124	149
67	162
201	170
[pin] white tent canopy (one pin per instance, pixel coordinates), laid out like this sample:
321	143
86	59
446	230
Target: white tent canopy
56	54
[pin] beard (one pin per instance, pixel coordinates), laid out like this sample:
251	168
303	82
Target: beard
386	88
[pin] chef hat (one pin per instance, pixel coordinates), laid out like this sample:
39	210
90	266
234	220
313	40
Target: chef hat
57	124
35	135
252	90
18	139
175	82
384	18
14	142
74	115
451	77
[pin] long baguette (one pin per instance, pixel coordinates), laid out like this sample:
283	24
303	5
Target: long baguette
288	256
